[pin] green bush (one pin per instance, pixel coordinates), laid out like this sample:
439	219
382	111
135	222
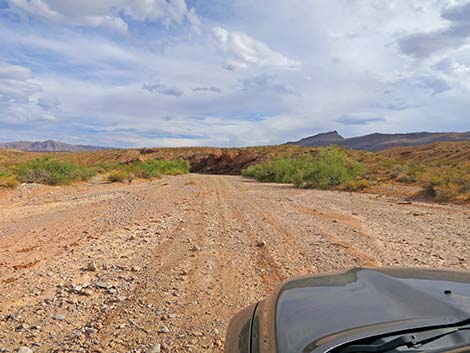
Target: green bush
154	168
52	172
330	168
282	170
117	176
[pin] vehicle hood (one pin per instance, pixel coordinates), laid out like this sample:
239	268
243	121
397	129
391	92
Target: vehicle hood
316	314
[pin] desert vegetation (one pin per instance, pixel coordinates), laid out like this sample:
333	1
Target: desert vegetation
330	168
7	179
440	177
438	172
148	169
52	171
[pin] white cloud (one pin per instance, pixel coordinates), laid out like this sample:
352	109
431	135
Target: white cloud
243	51
21	98
454	34
106	13
337	66
14	72
163	89
15	83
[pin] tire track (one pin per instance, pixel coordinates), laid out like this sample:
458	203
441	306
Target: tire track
364	258
285	238
269	268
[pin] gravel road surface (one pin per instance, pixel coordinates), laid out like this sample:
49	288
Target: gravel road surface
164	265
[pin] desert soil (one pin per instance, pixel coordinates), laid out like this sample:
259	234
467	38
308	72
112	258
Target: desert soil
124	268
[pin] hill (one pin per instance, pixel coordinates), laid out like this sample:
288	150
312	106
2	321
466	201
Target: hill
441	170
379	142
437	153
47	146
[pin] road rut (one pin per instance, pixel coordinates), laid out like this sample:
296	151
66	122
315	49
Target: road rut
119	268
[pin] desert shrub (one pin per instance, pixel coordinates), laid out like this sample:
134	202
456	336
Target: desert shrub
117	176
154	168
330	168
447	183
282	170
8	181
52	172
406	173
355	185
104	167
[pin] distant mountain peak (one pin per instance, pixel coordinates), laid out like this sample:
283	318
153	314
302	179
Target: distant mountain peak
330	134
322	139
47	146
377	141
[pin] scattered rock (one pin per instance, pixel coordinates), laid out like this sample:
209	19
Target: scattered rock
25	350
90	330
136	269
164	330
59	317
404	202
156	348
21	327
260	243
91	267
103	285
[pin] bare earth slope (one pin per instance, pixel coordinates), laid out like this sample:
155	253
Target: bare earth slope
119	268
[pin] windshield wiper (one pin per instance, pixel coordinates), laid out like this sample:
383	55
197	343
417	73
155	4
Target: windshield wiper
410	340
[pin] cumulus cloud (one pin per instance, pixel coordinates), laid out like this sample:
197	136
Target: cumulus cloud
163	89
15	83
434	84
106	13
20	97
358	120
207	89
281	77
430	82
260	83
243	51
454	35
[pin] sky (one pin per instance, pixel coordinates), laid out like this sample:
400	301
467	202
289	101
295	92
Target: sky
134	73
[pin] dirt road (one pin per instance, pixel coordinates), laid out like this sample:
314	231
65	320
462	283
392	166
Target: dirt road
120	268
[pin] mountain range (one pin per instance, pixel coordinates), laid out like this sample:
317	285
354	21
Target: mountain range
47	146
378	142
372	142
